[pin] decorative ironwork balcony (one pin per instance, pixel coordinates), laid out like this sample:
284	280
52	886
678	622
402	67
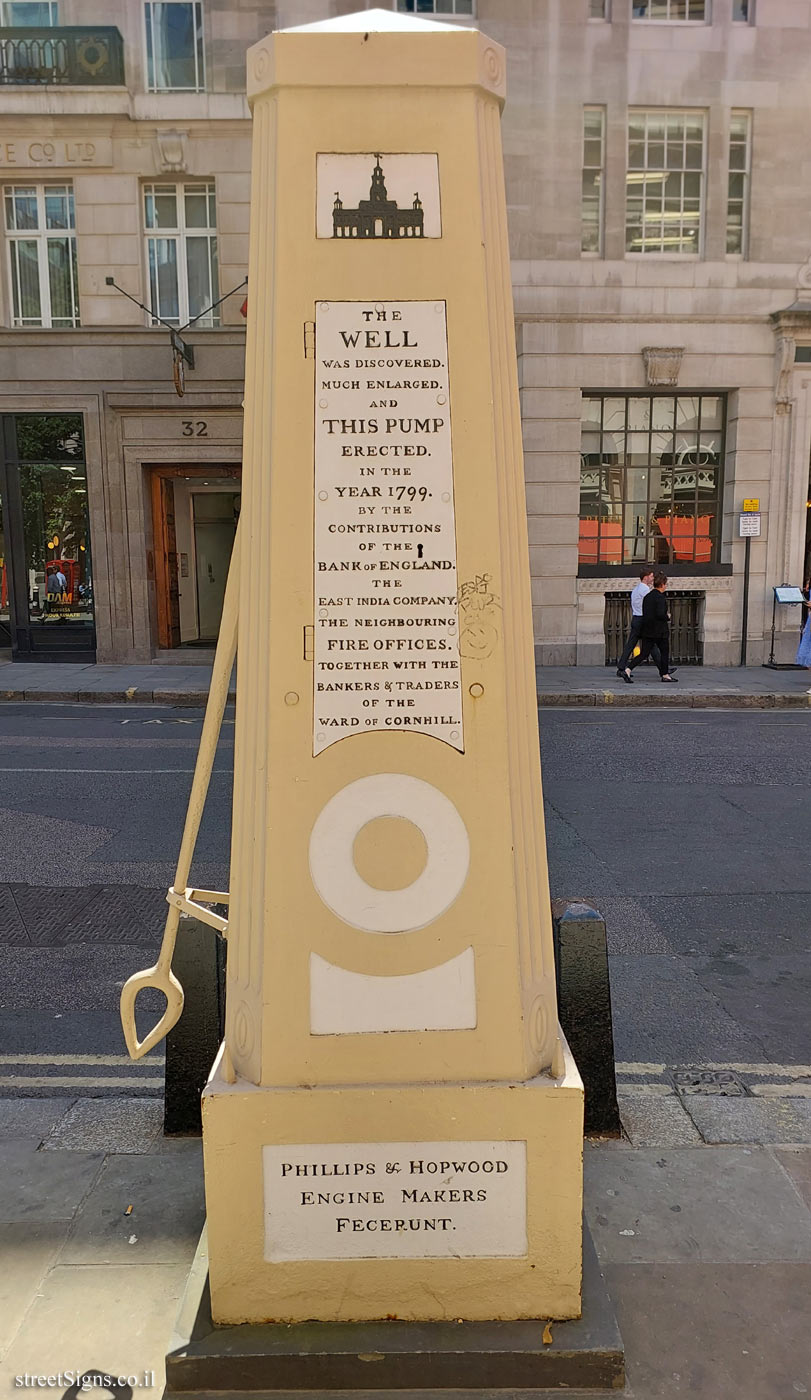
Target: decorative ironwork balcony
65	56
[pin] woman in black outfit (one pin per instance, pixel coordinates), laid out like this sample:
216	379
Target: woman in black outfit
655	630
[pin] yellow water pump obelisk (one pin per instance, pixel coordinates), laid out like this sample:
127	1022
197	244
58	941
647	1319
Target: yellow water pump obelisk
394	1126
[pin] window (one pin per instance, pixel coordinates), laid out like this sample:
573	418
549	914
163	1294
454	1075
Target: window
598	9
593	180
664	183
174	46
650	479
181	252
742	11
740	164
41	242
436	7
22	14
698	10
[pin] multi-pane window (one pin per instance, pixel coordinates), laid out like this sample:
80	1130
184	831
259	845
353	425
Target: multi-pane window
41	241
181	251
664	183
650	478
598	9
174	46
39	14
672	9
742	11
436	7
740	164
593	179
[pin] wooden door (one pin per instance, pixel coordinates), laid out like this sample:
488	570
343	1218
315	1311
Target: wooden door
166	577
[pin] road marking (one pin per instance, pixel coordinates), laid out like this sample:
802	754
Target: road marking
780	1071
67	1081
102	772
780	1091
76	1060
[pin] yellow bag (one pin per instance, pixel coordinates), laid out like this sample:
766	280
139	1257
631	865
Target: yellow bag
637	651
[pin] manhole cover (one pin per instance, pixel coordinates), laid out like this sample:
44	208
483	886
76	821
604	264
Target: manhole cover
707	1081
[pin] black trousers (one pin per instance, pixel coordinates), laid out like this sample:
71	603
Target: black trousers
634	636
650	644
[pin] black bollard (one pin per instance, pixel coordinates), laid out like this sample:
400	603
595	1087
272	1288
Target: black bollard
584	1009
191	1045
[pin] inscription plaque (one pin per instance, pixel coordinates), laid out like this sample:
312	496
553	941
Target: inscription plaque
386	614
396	1200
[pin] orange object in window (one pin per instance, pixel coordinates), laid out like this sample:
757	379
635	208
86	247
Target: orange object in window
609	548
688	536
70	568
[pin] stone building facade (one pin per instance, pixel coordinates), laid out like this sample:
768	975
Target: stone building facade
662	282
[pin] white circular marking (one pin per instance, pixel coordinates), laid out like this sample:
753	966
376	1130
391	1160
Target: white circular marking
322	403
446	495
389	911
323	495
325	306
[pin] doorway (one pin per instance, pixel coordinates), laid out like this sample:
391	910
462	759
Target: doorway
194	516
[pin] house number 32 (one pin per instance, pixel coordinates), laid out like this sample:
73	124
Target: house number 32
194	428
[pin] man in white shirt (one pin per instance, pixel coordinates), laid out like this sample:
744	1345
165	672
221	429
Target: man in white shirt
637	594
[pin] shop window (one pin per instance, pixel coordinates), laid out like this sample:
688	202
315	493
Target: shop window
598	9
46	571
175	60
41	242
698	10
664	182
650	480
436	7
181	253
591	240
740	166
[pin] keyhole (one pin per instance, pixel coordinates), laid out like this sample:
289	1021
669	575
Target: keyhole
419	551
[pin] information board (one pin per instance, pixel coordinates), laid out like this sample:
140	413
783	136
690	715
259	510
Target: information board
386	612
396	1200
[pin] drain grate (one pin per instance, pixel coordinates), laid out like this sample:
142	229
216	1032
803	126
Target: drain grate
707	1081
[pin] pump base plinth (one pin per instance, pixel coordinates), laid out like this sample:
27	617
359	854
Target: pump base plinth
413	1203
468	1358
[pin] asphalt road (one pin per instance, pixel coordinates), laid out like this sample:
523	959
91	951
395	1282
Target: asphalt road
687	830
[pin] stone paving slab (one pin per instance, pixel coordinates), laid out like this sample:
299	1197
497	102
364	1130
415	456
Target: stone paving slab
714	1205
165	1198
28	1250
115	1319
30	1118
723	1120
714	1331
796	1161
107	1125
41	1187
657	1122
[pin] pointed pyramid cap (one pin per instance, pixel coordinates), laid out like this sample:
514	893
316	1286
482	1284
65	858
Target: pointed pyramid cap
373	22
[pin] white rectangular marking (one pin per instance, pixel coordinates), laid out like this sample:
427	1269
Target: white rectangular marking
396	1200
386	611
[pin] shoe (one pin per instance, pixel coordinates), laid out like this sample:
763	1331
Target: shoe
672	679
627	677
621	674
